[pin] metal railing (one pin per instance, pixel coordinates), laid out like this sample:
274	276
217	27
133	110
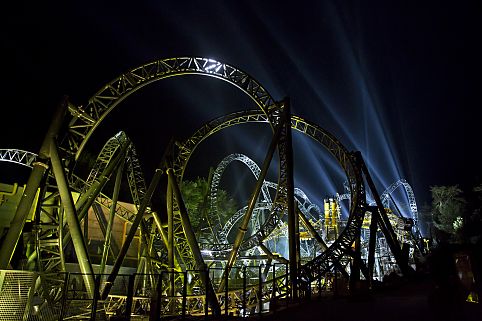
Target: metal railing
249	290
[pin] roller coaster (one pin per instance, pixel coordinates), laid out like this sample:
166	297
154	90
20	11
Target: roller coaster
238	269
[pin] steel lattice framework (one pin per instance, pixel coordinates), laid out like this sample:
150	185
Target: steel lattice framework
52	234
385	197
322	264
255	170
223	230
109	150
17	156
86	119
25	158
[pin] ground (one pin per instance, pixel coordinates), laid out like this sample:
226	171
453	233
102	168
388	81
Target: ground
414	299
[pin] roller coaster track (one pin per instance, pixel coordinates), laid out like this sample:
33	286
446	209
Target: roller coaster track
322	264
48	249
218	172
222	230
18	156
84	120
386	198
343	244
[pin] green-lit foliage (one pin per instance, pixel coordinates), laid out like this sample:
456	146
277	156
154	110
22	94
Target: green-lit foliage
196	198
447	205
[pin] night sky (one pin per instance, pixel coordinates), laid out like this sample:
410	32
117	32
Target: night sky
397	80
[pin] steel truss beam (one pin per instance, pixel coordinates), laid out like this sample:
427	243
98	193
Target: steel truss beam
275	141
18	156
86	119
255	170
39	169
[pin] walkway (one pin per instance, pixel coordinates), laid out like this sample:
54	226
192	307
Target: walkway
410	301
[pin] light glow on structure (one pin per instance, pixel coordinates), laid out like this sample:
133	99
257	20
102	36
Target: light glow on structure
274	237
207	252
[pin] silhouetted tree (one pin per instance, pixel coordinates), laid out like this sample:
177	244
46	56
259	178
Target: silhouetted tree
448	207
474	224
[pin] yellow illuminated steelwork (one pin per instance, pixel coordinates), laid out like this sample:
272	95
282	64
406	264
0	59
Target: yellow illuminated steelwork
366	220
105	100
9	198
332	214
305	235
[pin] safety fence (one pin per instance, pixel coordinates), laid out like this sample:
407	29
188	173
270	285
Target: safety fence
247	290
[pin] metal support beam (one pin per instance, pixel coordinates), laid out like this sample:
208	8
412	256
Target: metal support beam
160	228
72	220
39	168
110	224
270	255
372	244
293	233
252	202
132	233
192	241
359	262
297	233
355	265
88	197
170	237
114	248
306	223
86	228
383	221
61	249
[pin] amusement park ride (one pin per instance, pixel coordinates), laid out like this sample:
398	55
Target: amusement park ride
238	269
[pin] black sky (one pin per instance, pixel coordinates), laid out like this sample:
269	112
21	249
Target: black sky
398	80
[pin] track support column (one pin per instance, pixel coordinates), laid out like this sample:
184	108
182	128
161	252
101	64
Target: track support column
39	170
306	223
293	223
110	224
252	202
355	266
383	221
372	243
72	220
130	236
170	237
193	244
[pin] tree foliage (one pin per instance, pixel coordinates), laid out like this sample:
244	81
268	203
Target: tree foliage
425	218
474	224
478	191
448	207
196	198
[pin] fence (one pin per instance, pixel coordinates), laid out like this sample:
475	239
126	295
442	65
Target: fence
26	296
